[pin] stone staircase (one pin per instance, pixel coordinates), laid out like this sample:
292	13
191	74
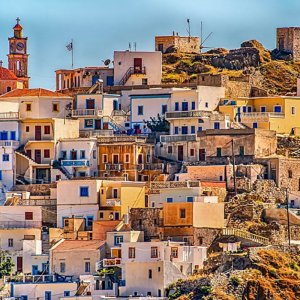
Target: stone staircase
82	289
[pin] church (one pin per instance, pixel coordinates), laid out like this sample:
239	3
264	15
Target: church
16	75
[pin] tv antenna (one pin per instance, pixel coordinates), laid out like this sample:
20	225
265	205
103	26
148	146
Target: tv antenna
203	40
129	46
134	44
189	27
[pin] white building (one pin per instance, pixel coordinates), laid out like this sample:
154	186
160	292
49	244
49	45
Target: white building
137	67
149	268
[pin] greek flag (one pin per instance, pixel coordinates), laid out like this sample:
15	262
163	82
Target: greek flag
70	46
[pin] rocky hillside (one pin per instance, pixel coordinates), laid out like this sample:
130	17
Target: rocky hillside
268	274
272	70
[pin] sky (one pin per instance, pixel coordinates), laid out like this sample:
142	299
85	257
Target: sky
98	27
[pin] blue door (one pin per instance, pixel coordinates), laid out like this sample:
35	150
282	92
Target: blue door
13	135
184	130
35	270
47	295
4	135
185	106
94	79
110	80
216	125
239	114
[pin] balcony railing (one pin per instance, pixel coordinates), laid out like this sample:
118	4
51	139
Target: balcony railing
260	116
75	163
174	184
37	278
121	139
150	167
113	167
87	113
20	224
111	262
113	202
9	143
178	138
187	114
95	133
9	115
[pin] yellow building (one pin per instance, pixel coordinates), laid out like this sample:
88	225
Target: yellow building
279	113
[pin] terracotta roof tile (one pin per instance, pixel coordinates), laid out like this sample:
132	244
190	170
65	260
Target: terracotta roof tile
32	93
79	245
18	27
6	74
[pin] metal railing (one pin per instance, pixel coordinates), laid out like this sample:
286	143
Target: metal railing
9	143
122	139
178	138
150	166
260	116
113	167
246	235
87	112
95	133
75	163
9	115
131	71
187	114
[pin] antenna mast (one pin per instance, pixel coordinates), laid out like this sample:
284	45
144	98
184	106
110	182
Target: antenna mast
189	27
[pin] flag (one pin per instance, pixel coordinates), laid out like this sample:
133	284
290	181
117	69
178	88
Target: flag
70	46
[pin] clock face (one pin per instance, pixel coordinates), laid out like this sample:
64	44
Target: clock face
20	46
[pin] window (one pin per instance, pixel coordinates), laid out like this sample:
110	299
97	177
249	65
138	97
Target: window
89	221
55	107
48	296
4	136
170	149
82	154
131	252
206	104
27	128
254	125
28	215
193	105
216	125
46	153
84	191
104	158
118	240
94	154
115	158
182	213
176	106
290	173
263	109
62	267
24	297
169	200
219	152
28	106
0	174
117	216
185	106
184	130
189	199
150	274
192	152
5	157
47	129
164	109
87	266
88	123
13	135
67	293
176	130
249	109
66	223
140	110
202	154
144	81
10	242
154	252
200	128
174	252
63	154
8	89
277	108
127	158
193	129
101	215
293	110
242	150
115	193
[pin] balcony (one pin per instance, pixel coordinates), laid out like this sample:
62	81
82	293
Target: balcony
87	113
121	139
37	278
20	224
9	116
95	133
259	116
111	262
113	167
187	114
14	144
75	163
113	202
150	167
174	184
178	138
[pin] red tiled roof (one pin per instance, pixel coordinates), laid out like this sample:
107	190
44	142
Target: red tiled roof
18	27
79	245
32	93
6	74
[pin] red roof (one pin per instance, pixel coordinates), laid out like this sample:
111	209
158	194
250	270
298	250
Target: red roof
6	74
32	93
18	27
79	245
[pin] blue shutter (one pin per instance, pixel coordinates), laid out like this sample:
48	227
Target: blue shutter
13	135
193	105
193	130
169	200
176	130
176	106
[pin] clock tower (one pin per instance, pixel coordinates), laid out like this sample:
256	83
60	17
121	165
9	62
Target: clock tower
18	57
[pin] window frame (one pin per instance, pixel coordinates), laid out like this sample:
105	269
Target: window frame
84	191
154	252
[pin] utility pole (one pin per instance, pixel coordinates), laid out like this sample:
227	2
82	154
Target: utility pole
288	216
233	166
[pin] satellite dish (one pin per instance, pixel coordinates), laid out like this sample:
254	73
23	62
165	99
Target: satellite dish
107	62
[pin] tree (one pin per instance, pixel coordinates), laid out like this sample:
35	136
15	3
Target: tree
6	264
159	124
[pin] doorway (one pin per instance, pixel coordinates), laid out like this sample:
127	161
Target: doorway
38	133
137	65
180	152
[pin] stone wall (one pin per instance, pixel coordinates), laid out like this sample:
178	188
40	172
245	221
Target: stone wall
205	236
35	189
290	38
178	43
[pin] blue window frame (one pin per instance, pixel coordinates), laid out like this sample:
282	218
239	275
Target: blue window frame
35	269
189	199
0	174
244	109
249	109
193	130
13	135
184	130
88	123
67	293
176	106
216	125
185	106
110	80
82	154
176	130
164	109
64	154
89	221
4	135
169	200
118	240
140	110
84	191
47	295
277	108
255	125
193	105
200	128
23	297
5	157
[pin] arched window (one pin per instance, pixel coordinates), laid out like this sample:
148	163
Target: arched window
18	65
8	89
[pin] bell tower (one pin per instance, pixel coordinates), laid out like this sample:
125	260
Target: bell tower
18	57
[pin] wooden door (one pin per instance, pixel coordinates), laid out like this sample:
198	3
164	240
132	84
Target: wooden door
202	154
137	65
98	124
90	104
38	156
180	153
38	133
19	264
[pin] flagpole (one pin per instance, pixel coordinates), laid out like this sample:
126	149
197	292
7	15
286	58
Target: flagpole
72	54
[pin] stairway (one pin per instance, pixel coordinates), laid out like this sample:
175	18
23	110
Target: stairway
113	124
257	239
130	72
82	289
